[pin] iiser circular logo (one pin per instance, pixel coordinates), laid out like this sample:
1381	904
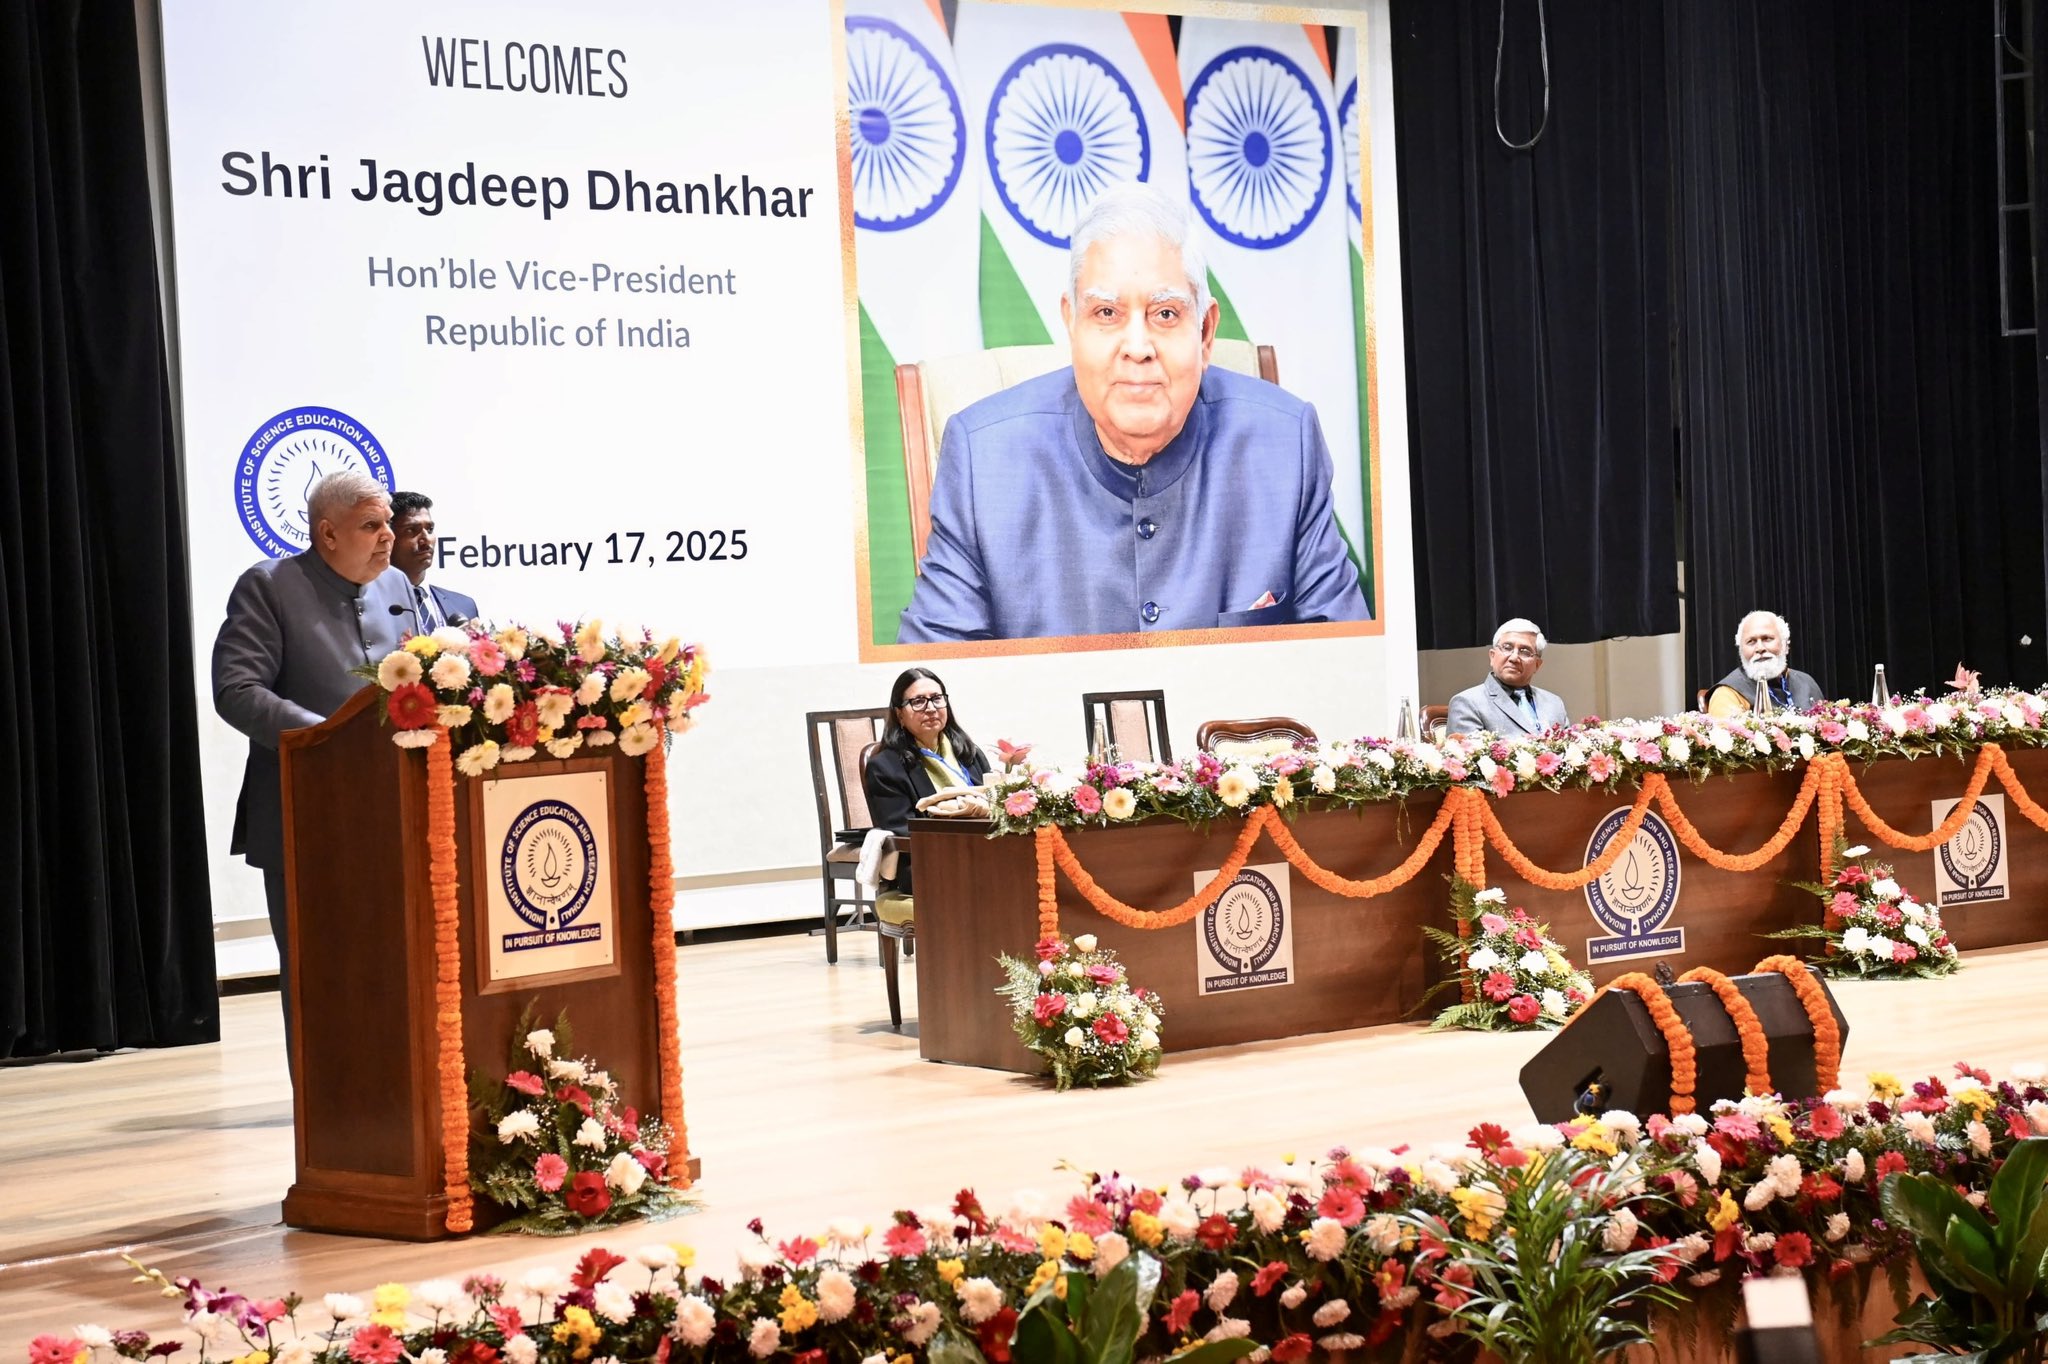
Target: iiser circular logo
282	460
548	864
1244	926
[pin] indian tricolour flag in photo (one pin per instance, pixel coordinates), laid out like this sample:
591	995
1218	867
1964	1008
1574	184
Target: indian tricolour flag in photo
1350	128
917	237
1266	179
1061	105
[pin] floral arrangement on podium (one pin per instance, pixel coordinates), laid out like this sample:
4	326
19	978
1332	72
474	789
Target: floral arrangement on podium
1340	1252
1873	928
1075	1007
557	1149
505	696
1510	973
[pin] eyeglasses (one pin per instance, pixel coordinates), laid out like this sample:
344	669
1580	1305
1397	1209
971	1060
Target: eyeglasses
1515	651
935	701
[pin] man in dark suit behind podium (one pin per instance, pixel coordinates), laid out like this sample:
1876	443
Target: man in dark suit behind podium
294	628
412	521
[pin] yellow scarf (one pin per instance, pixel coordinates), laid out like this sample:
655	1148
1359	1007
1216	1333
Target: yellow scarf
948	774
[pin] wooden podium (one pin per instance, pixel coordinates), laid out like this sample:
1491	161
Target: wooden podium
366	1103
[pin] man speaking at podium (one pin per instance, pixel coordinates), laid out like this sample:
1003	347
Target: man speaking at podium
294	628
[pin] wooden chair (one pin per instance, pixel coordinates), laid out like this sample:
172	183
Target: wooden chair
1435	719
929	392
895	919
837	738
1134	720
1252	738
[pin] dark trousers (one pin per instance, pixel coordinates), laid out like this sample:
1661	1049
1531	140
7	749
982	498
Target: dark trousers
274	896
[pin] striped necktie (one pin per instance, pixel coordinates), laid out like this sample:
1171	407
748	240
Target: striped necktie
430	619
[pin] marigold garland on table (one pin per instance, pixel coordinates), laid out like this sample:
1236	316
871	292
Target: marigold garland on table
1987	760
1624	838
1296	1256
1691	839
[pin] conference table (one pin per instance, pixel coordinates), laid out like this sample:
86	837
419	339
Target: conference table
1361	962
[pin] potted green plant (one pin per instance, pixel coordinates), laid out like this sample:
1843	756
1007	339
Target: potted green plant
1990	1299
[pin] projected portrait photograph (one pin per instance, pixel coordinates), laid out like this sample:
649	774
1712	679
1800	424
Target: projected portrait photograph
1115	385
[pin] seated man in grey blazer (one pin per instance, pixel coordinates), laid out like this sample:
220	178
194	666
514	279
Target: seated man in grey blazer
1764	643
294	628
1506	702
1138	490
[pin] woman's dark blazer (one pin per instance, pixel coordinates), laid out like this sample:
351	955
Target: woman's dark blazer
895	784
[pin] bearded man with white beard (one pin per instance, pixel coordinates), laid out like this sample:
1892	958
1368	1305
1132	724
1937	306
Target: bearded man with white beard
1763	641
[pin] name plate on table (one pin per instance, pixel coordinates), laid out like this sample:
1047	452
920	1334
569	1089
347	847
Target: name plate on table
1245	941
1971	868
549	902
1638	896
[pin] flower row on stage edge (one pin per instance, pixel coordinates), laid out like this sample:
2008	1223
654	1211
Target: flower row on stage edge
506	695
1352	1251
1604	754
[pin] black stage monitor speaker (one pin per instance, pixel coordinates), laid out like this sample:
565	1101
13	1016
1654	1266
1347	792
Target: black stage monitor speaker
1612	1056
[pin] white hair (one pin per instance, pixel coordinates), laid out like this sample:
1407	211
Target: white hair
1784	630
336	495
1135	206
1518	626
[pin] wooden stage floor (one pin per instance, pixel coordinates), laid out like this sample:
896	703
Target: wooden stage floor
804	1106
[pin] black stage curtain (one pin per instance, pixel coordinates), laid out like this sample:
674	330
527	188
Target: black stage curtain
1860	446
1536	288
105	916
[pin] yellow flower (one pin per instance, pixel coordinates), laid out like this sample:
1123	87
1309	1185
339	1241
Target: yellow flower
1594	1139
546	735
1781	1126
1047	1271
685	1255
1081	1246
387	1305
1283	791
670	648
1885	1086
1724	1214
951	1270
1978	1099
1480	1208
1052	1241
423	645
577	1325
253	1357
799	1313
1059	1288
1146	1228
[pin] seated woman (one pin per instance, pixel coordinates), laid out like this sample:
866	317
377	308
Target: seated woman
923	751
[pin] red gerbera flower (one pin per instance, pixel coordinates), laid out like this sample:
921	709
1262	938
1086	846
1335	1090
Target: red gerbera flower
412	706
587	1196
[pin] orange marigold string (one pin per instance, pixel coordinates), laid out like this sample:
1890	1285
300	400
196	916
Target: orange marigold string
1987	758
1827	1033
1788	828
2021	801
444	880
1677	1037
1756	1048
1829	799
1048	892
1290	848
1592	871
1107	905
1468	863
661	903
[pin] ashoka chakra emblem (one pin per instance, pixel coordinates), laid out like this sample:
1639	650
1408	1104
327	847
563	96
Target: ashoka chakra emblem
907	133
1258	147
1063	126
1347	139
